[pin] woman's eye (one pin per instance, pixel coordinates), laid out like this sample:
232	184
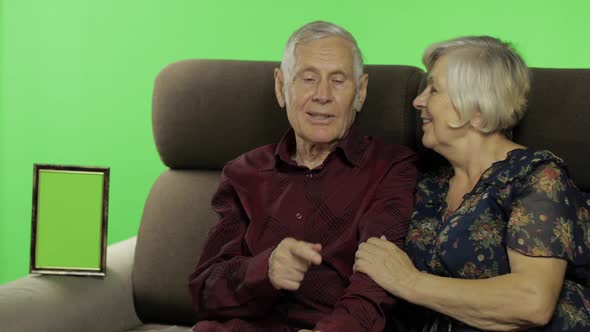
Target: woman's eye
433	89
308	79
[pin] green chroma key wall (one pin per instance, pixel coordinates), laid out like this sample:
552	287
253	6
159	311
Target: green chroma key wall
76	76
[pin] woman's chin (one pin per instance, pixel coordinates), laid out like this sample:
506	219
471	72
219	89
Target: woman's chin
427	142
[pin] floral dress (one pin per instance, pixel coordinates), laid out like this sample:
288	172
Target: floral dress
526	202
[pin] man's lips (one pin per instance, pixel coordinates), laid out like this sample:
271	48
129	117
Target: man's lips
321	117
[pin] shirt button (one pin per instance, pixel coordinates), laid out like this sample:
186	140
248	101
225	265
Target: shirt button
310	175
298	215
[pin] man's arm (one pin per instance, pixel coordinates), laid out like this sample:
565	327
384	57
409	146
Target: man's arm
365	305
230	282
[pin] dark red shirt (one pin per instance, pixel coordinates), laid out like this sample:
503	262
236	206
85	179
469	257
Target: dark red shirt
363	189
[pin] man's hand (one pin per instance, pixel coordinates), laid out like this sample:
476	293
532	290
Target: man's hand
290	260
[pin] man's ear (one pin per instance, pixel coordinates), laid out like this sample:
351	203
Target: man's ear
362	92
280	87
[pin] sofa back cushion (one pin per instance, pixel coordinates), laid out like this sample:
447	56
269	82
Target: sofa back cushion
558	118
205	113
175	222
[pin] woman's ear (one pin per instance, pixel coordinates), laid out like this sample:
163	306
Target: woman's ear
477	120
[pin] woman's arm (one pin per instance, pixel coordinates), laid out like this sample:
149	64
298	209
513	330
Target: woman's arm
524	298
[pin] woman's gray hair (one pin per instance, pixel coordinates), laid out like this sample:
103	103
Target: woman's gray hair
314	31
483	74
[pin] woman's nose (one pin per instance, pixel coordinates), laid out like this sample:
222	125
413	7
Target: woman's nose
420	101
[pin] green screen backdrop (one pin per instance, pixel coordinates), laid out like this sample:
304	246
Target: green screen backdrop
76	76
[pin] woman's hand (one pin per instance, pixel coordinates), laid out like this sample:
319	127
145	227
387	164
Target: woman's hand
389	266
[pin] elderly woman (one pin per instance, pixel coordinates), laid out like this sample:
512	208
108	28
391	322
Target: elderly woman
499	240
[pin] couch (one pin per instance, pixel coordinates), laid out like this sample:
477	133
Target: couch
207	112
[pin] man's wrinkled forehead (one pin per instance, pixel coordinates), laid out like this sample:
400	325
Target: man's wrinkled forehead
332	53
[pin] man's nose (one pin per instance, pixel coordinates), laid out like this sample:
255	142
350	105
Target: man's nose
323	92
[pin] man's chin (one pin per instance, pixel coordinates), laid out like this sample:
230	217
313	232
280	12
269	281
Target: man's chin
322	139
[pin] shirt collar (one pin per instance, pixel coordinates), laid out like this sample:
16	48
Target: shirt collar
350	148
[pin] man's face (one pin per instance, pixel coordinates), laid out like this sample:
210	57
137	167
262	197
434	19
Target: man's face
321	95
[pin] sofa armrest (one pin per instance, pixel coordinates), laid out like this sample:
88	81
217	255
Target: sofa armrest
51	303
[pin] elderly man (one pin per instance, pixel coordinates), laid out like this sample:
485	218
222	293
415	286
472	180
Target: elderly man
291	215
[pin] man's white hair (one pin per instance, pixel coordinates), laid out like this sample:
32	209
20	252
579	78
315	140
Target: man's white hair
314	31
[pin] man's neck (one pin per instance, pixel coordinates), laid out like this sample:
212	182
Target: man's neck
312	155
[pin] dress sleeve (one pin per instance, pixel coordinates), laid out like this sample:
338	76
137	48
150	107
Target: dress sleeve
550	217
228	281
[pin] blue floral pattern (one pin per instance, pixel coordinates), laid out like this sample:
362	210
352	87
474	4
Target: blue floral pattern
526	202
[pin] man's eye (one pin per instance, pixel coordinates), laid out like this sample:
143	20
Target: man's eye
308	79
433	89
338	81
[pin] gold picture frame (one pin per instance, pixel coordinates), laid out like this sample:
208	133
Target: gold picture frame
69	220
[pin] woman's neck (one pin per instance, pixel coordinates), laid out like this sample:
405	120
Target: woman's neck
475	154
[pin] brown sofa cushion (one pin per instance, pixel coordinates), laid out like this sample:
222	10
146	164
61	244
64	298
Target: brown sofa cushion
175	222
207	112
558	118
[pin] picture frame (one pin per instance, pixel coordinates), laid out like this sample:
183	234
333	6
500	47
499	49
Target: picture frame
69	220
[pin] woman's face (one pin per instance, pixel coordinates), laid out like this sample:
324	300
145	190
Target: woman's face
437	110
